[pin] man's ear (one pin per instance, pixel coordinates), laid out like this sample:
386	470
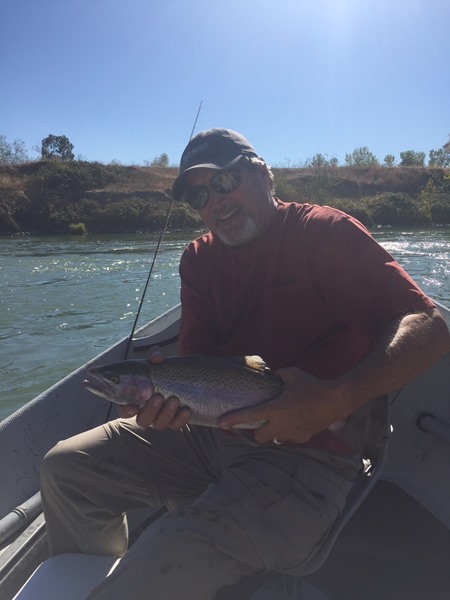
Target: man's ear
265	175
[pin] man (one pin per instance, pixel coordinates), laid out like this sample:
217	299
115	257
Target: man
309	290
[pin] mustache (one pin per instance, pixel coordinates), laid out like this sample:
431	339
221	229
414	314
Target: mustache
220	213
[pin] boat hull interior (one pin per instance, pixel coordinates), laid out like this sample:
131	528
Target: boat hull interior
396	545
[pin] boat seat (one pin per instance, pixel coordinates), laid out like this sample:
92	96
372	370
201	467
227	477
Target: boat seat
67	577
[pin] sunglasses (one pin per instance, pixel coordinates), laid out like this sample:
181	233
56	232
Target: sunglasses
224	182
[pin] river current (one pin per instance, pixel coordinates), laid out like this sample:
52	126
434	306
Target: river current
63	299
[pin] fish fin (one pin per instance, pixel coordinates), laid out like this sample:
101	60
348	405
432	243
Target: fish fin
255	362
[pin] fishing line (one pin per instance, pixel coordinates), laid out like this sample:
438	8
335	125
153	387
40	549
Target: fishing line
155	254
190	138
186	430
195	122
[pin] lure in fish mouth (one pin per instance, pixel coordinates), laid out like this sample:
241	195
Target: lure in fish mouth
210	386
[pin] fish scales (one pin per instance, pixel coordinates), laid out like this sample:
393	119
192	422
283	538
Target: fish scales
209	386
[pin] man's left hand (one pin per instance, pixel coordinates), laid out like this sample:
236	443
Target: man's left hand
306	406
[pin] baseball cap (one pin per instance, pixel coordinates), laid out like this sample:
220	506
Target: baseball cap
211	149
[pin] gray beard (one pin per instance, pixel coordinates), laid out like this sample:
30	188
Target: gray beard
246	233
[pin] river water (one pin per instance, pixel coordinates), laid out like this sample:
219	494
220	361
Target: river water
63	299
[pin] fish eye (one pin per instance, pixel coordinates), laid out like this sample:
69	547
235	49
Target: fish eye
114	378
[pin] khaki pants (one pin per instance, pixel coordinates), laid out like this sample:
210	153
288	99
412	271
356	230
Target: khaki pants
235	509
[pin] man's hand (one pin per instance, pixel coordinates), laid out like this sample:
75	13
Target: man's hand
158	412
306	407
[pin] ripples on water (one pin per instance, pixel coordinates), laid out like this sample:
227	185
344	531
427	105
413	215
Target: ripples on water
424	254
65	299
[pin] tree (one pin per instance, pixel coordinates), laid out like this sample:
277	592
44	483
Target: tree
160	161
389	160
12	152
411	158
446	146
361	156
441	157
57	146
318	161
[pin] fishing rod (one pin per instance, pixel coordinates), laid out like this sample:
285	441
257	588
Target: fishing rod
155	254
195	122
27	511
191	441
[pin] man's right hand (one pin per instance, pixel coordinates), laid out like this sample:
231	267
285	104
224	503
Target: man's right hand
158	412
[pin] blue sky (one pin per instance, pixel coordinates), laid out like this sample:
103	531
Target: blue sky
123	79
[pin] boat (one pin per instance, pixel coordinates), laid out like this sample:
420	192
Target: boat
392	542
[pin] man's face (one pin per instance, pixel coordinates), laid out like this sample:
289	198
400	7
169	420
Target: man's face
239	216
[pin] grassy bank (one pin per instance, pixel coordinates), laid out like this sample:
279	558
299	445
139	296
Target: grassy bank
77	197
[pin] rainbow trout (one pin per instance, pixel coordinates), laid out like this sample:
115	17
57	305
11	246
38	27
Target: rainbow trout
210	386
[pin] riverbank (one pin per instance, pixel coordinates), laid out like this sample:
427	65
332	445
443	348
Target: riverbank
57	197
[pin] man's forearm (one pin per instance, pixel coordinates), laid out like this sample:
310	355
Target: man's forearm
309	405
406	348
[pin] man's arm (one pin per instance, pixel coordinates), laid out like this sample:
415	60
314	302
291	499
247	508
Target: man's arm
308	405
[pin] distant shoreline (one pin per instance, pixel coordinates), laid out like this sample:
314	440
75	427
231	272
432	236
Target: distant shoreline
59	197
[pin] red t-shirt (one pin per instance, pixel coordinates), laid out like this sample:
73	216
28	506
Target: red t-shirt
313	291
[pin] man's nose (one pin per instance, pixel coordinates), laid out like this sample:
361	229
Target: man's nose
216	199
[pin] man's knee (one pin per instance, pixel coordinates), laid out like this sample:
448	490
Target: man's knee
61	463
55	461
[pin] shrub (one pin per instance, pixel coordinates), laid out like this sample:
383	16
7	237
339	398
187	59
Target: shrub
394	208
69	178
440	210
355	208
77	229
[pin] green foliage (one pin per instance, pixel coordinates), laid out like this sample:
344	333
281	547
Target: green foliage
321	161
439	158
355	208
160	161
58	147
8	222
389	160
434	200
394	208
318	161
64	177
12	152
77	229
411	158
316	187
440	210
361	157
282	188
133	215
62	196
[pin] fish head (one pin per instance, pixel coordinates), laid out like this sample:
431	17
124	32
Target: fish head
120	386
